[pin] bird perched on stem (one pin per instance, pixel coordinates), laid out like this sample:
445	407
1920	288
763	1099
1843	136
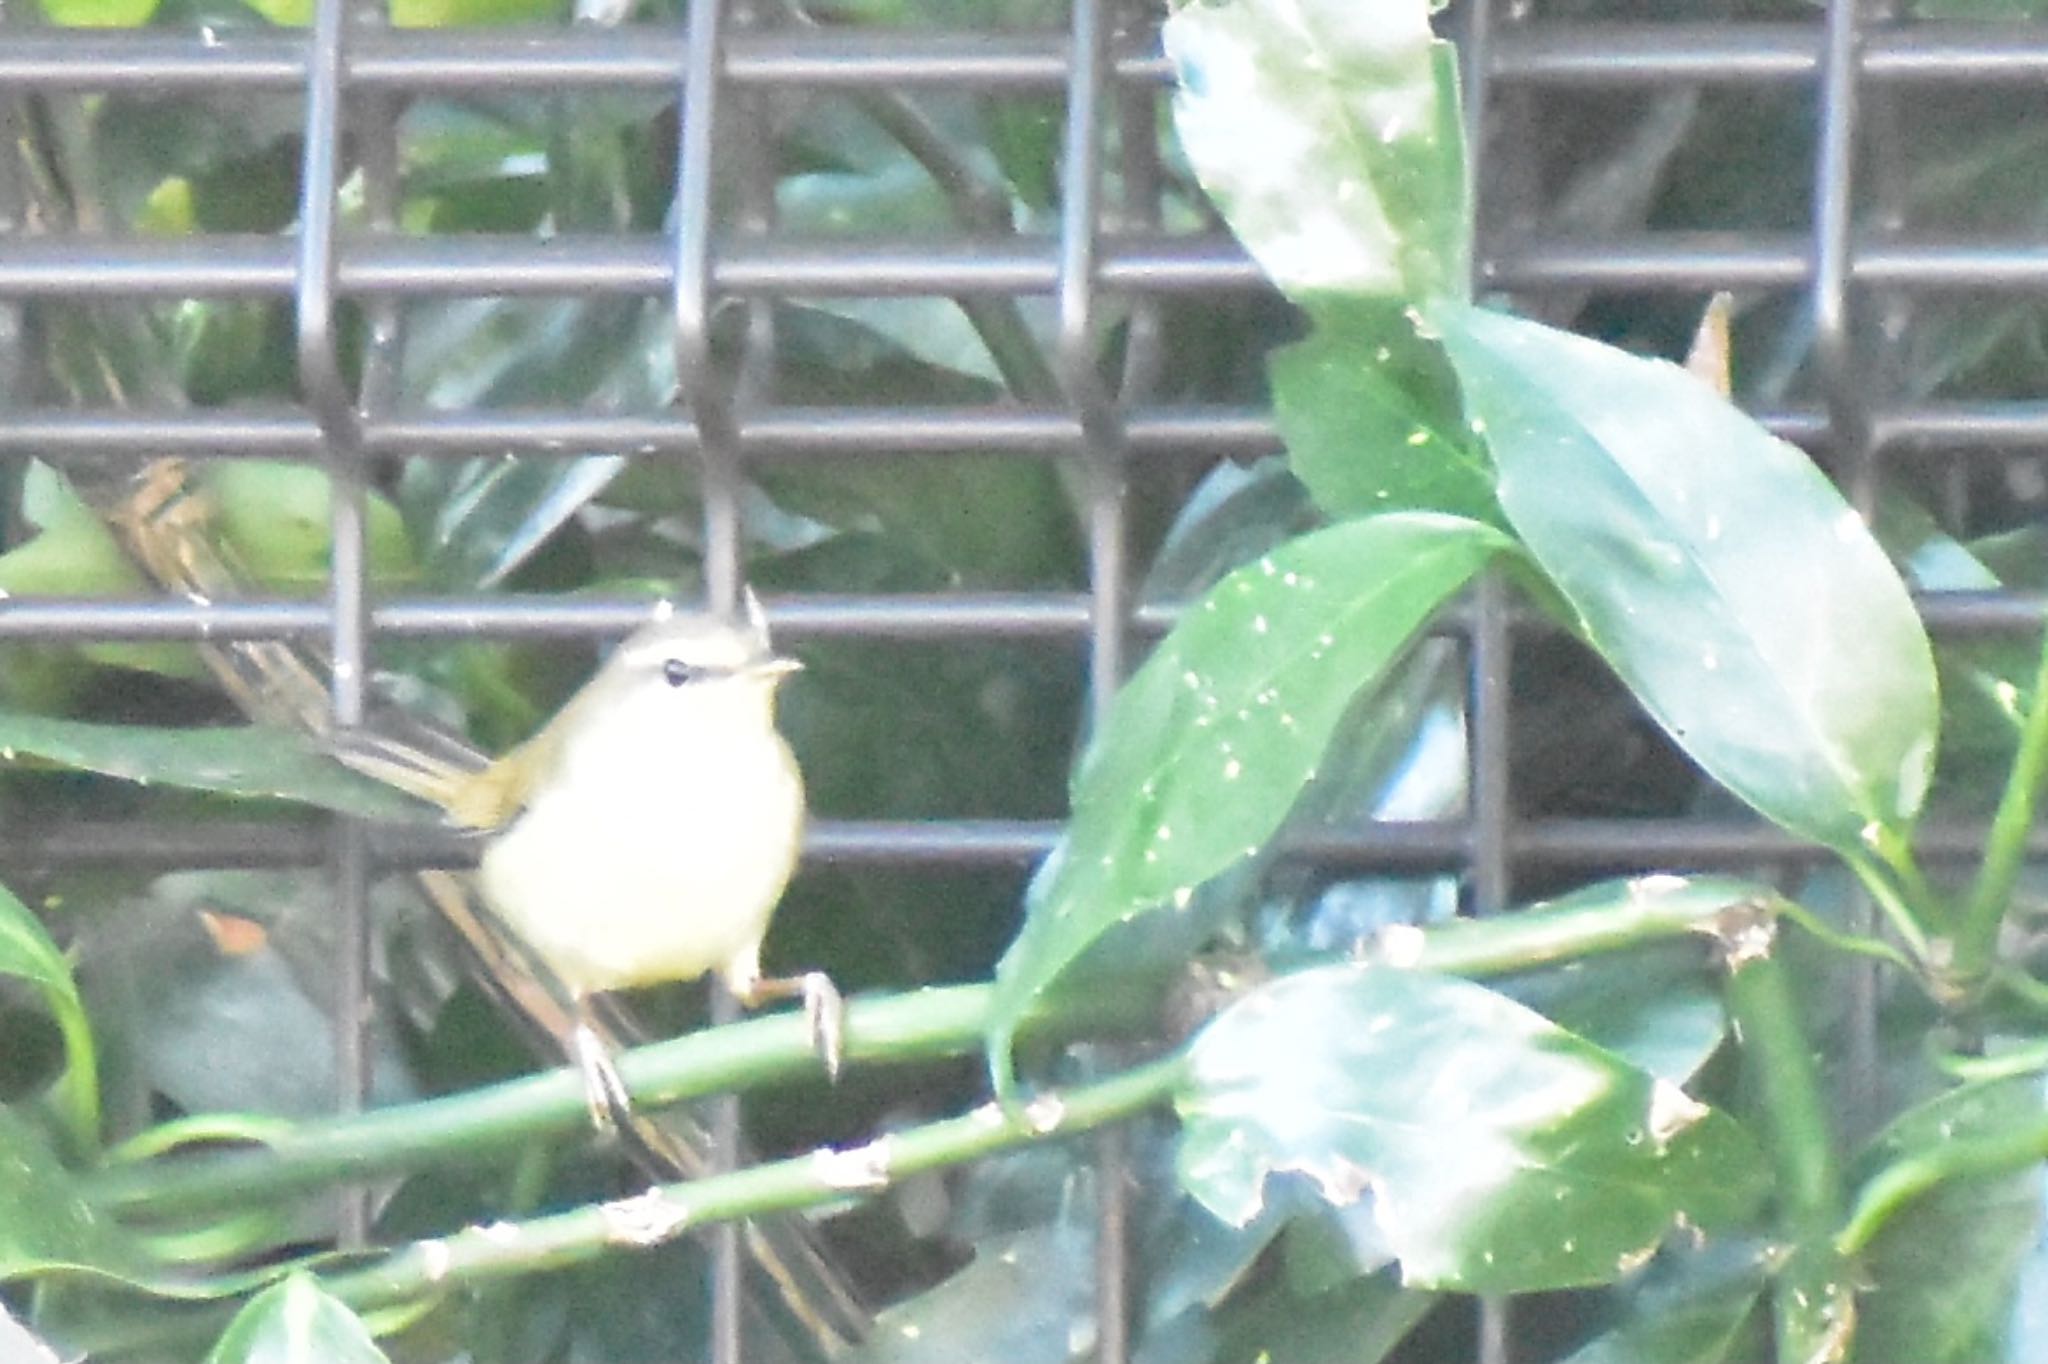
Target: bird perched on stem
647	831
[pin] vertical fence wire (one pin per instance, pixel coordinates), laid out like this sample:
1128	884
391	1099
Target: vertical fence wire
702	384
1840	353
326	391
1099	426
374	119
1103	478
1489	651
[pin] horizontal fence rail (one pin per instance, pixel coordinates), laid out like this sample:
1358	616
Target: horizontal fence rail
351	76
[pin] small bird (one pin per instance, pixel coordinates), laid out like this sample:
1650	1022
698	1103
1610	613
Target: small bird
647	831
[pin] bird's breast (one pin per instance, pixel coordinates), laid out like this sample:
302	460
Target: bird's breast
646	860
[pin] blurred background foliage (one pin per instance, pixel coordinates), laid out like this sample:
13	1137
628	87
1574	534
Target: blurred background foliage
207	989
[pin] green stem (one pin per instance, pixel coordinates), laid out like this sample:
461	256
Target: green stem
1795	1113
1900	915
1578	927
924	1025
1899	1184
1897	853
77	1093
1812	1300
1969	1068
2015	984
502	1119
2006	849
506	1250
510	1249
1853	944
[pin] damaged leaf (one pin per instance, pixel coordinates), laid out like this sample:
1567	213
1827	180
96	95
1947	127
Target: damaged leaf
1211	742
1501	1153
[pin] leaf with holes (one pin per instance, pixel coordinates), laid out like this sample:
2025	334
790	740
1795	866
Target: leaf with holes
1211	741
1328	133
1717	571
1502	1153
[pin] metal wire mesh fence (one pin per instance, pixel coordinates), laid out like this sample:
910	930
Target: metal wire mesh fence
1851	252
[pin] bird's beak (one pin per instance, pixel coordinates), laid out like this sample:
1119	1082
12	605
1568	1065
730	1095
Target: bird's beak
776	669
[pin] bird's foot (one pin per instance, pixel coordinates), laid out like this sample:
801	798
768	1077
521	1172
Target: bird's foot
824	1010
825	1015
604	1089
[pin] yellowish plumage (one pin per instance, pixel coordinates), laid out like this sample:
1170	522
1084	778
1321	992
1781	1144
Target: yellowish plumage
647	831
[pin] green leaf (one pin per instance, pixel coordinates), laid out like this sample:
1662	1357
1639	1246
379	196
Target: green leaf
276	516
1656	1008
49	1227
1370	416
27	953
238	164
1692	1306
75	555
99	13
1328	133
1716	569
1005	523
241	761
1502	1153
425	13
1235	514
1024	1299
294	1322
1210	742
1987	680
1359	1322
1814	1296
478	521
1978	11
1938	1283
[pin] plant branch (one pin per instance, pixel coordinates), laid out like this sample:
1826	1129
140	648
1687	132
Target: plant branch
1811	1301
1776	1052
1904	1181
1969	1067
1853	944
2014	983
1897	853
510	1249
1900	915
1977	938
505	1250
924	1025
505	1118
1537	937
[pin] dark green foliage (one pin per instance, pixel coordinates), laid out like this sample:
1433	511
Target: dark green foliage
1343	1118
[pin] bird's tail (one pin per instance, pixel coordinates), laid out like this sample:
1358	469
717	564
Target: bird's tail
431	768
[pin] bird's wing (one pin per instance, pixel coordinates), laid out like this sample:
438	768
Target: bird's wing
493	797
428	776
472	790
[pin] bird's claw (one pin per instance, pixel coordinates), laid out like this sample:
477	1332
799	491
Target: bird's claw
604	1089
825	1016
824	1009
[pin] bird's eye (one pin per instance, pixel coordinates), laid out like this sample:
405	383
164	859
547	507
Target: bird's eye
680	673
